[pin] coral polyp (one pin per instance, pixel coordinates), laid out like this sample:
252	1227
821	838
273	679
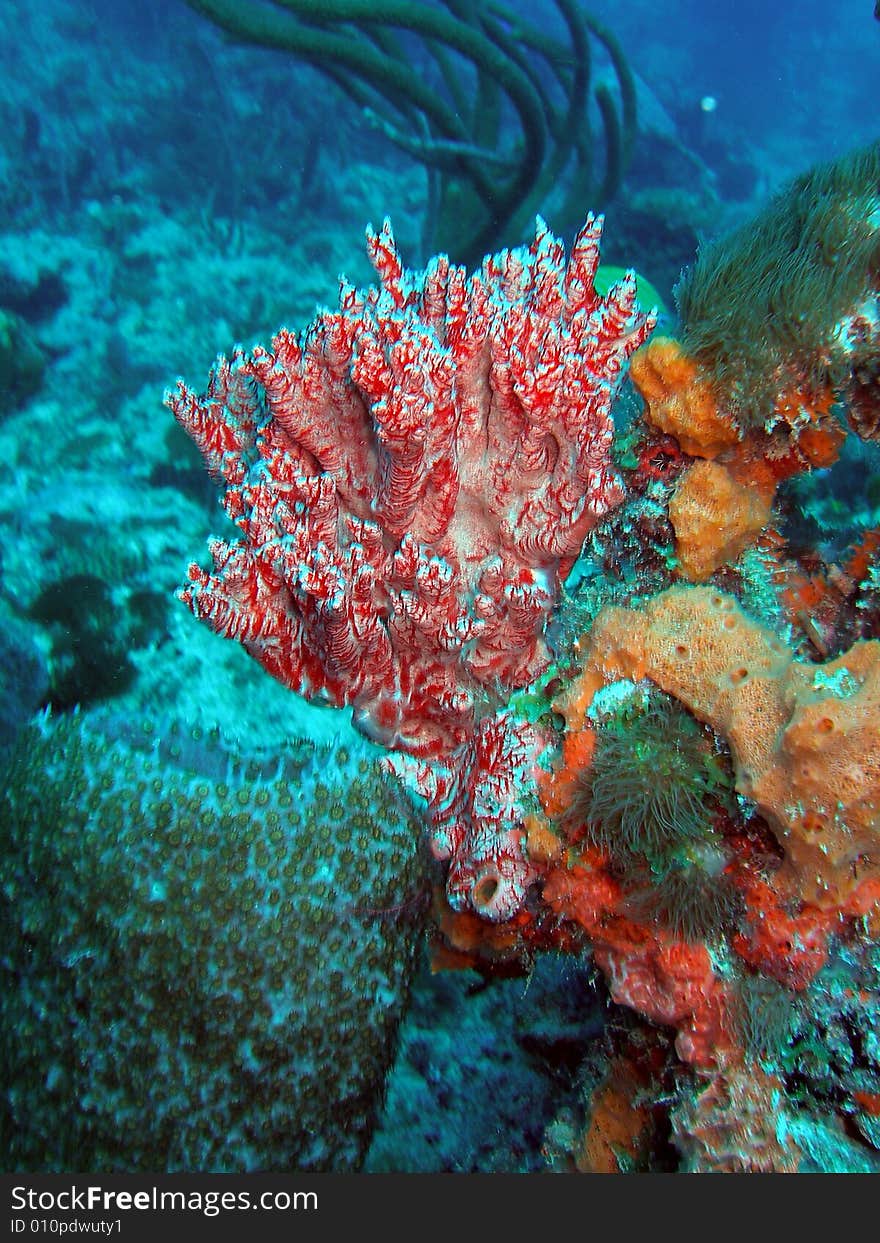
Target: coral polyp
693	898
651	784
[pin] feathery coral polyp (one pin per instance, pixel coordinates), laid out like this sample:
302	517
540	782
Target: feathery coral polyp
413	477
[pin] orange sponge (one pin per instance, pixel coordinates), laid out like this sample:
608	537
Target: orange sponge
828	758
698	645
803	737
715	518
721	506
679	399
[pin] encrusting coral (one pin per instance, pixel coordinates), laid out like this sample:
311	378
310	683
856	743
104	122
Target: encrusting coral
736	1124
205	959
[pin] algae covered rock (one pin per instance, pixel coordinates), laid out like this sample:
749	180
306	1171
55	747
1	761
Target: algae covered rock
22	362
204	960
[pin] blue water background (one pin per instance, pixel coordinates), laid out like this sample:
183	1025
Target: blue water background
100	99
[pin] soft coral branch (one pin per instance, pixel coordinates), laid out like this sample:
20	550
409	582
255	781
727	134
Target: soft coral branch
412	479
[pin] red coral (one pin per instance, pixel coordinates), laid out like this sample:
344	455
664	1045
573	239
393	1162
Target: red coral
475	807
674	984
413	478
669	982
792	948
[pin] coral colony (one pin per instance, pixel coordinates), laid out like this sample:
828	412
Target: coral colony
691	789
413	481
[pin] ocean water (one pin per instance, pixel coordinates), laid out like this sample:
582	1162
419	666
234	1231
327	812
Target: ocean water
170	190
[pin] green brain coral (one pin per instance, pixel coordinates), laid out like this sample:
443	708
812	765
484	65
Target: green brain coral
204	963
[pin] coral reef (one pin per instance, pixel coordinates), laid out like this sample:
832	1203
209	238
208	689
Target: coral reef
665	767
704	817
647	939
205	958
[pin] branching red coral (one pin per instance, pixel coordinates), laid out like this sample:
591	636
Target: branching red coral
413	478
475	805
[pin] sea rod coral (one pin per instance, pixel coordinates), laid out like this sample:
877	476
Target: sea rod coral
505	120
413	478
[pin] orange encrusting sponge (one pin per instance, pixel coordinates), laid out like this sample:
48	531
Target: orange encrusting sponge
679	400
723	501
715	518
803	738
